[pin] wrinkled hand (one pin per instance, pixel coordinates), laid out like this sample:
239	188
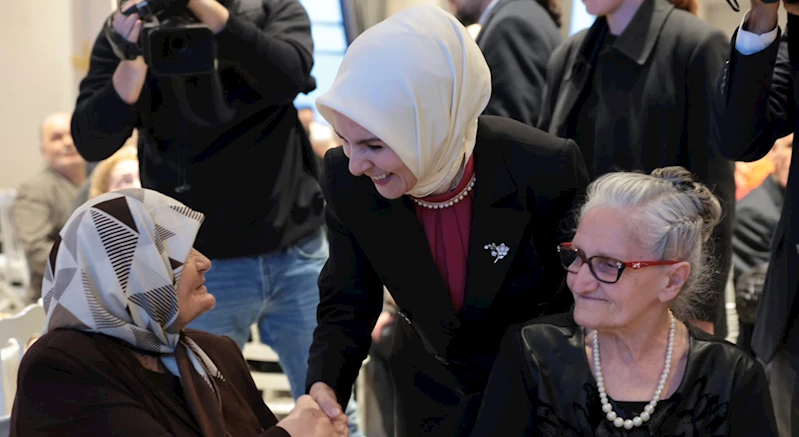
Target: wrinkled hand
128	26
308	420
385	319
326	398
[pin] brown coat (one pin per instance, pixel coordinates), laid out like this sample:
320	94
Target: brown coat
74	383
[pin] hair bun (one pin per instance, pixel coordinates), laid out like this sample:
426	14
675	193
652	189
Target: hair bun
708	206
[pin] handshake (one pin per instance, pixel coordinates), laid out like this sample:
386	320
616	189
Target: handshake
317	415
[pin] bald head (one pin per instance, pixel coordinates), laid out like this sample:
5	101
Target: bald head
57	146
57	120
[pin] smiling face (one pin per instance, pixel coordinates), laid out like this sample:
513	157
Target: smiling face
193	297
638	293
371	157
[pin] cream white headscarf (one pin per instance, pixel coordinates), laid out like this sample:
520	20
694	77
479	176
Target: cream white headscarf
417	81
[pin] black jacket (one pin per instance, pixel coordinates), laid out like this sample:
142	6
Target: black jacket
528	185
253	177
75	384
756	105
517	39
542	385
757	216
654	108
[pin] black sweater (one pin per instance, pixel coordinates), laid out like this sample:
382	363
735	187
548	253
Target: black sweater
253	177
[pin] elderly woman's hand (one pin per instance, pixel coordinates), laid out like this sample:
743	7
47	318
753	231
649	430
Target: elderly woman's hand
308	420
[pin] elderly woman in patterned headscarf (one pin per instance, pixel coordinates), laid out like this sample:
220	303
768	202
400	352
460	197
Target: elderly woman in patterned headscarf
455	213
121	283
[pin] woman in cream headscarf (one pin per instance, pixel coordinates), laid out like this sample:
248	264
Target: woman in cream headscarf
463	257
121	283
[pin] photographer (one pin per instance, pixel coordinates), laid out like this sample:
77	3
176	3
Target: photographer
227	143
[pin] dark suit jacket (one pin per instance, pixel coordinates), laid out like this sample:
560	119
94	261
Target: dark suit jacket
517	40
755	105
81	384
757	216
654	107
528	185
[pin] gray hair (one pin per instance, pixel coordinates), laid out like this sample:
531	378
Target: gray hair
672	215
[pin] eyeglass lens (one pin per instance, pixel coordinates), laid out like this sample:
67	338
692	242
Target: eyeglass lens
603	268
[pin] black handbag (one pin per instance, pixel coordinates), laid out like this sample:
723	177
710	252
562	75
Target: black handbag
748	289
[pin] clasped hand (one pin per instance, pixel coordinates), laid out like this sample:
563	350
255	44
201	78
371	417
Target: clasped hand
307	419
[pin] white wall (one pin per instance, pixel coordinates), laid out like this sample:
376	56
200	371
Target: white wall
38	40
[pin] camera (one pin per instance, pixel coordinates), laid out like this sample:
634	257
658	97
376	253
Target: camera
172	41
178	51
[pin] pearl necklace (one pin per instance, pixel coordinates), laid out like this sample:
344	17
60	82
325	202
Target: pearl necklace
650	408
456	199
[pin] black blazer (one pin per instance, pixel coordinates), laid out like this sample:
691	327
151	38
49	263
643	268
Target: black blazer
542	385
517	39
757	216
755	105
528	185
654	107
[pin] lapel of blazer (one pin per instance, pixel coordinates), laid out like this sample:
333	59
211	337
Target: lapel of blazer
578	75
395	244
499	217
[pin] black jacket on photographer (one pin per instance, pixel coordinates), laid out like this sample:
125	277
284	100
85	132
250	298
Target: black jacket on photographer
254	177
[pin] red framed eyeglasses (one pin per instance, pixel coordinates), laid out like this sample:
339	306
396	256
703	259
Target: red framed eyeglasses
603	268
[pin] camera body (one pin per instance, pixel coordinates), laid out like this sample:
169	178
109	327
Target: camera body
178	49
172	41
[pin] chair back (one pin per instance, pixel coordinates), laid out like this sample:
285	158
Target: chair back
14	272
23	326
10	357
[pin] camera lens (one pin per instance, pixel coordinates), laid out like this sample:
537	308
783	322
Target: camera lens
178	44
180	48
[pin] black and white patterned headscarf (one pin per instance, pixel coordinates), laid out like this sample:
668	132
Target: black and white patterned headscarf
115	269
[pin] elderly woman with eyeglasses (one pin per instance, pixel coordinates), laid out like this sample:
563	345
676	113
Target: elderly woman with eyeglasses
623	362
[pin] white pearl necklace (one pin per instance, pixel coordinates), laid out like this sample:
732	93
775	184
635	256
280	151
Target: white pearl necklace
456	199
650	408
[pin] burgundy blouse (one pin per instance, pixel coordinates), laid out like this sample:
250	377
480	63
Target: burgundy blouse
448	230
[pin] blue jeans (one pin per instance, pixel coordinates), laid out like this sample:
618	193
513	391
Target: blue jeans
279	292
